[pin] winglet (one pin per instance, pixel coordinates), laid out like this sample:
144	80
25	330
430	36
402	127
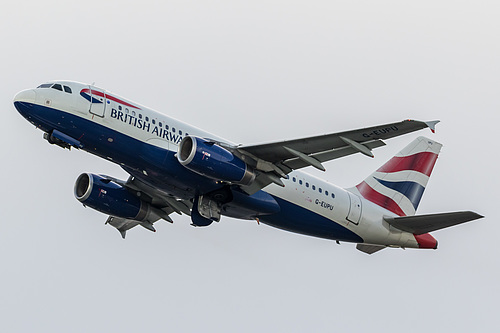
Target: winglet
432	125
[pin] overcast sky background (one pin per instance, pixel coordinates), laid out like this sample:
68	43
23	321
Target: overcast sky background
252	72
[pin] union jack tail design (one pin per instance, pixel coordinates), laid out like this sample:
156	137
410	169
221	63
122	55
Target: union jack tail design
399	184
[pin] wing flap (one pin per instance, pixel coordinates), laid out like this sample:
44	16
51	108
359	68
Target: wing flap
422	224
297	163
121	224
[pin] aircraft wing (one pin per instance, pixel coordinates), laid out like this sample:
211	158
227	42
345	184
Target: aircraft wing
276	159
161	206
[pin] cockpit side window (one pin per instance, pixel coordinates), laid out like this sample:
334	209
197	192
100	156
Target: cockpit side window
57	86
67	89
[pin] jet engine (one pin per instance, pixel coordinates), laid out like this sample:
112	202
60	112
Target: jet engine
111	198
213	161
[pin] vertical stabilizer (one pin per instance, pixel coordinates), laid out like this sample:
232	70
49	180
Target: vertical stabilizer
399	184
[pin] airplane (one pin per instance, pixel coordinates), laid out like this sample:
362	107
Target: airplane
174	167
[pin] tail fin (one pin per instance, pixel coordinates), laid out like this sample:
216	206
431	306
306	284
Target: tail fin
399	184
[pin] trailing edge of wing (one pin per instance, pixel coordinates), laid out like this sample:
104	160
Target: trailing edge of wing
421	224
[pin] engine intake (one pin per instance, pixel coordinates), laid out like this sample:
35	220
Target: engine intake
111	198
213	161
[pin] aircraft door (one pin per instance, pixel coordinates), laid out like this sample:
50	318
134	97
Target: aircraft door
97	101
354	214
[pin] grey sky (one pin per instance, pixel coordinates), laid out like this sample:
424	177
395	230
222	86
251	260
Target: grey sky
252	72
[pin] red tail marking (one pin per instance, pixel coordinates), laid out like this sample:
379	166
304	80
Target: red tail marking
377	198
421	162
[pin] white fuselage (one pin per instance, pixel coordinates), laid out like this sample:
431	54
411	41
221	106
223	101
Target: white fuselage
345	208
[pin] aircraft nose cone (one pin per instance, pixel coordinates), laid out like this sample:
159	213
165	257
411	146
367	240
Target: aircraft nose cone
24	102
27	96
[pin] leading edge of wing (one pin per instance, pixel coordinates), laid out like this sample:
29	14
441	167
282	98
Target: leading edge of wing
277	151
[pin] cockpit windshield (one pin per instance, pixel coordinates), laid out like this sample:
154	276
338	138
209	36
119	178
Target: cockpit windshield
56	86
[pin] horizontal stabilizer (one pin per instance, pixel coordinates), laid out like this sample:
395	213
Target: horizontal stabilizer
369	249
422	224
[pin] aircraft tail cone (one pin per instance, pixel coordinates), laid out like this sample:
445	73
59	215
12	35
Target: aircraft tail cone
426	241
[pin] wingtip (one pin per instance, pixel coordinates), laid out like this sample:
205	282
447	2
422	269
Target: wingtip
476	216
432	125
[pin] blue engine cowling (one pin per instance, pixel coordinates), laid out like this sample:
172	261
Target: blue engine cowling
110	198
213	161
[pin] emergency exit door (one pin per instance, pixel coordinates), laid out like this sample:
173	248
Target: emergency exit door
354	214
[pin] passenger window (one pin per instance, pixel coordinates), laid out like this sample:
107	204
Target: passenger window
57	87
180	132
314	188
173	129
153	121
67	89
320	190
147	118
300	181
160	124
326	192
294	179
307	184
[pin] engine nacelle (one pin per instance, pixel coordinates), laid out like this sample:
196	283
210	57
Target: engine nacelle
213	161
110	198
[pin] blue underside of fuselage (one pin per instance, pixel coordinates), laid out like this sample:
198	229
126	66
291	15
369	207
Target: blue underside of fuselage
165	172
301	220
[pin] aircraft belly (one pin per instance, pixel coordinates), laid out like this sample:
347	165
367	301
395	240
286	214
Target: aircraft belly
298	219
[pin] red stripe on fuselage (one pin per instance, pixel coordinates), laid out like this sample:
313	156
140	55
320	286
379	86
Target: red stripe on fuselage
420	162
379	199
113	98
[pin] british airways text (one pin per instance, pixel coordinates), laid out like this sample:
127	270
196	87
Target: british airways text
146	126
